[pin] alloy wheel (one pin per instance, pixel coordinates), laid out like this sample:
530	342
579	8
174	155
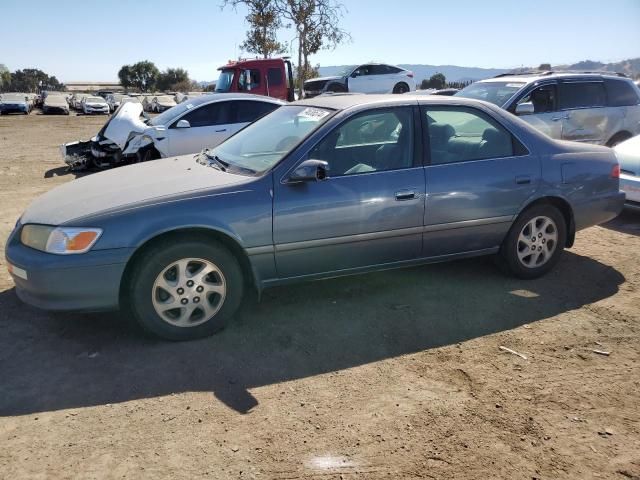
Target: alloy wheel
537	241
189	292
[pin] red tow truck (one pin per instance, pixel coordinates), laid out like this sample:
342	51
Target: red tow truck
272	77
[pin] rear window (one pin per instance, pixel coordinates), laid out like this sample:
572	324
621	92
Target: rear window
581	95
621	93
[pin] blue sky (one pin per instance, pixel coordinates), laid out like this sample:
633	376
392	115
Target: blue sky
90	40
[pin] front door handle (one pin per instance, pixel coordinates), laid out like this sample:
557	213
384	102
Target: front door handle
523	179
221	130
405	195
563	117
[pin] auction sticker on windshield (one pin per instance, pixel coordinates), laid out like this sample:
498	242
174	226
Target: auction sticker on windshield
314	113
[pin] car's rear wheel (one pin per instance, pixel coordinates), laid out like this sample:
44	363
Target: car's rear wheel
401	88
182	290
535	242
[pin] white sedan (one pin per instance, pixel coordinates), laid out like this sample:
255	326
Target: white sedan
95	105
628	153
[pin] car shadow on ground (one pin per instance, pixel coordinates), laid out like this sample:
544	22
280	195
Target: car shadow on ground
64	170
58	361
627	222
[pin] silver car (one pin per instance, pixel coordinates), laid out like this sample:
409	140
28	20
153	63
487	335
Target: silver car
583	107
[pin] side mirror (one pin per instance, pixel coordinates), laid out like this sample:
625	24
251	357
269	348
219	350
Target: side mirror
183	124
525	108
309	170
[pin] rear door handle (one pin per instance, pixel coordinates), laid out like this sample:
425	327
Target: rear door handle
221	130
523	179
405	195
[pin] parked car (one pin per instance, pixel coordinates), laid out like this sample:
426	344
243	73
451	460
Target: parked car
146	102
161	103
55	103
585	107
368	78
187	128
628	153
15	103
114	100
127	98
92	105
334	185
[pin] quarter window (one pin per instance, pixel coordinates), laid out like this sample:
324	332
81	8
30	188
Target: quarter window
621	93
461	135
370	142
581	95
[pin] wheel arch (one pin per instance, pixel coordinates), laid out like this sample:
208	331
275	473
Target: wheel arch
193	233
566	210
402	82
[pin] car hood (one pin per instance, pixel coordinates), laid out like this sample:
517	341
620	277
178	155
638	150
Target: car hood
96	104
124	187
9	101
323	79
125	121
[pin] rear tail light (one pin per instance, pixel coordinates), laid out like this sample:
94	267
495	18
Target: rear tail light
615	171
410	74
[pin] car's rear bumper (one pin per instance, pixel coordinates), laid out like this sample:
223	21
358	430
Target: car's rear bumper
86	282
630	185
597	210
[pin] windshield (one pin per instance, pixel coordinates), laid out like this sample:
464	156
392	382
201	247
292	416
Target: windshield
165	98
494	92
225	80
261	145
94	99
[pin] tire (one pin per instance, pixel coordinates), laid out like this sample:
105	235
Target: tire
153	283
618	138
519	241
401	88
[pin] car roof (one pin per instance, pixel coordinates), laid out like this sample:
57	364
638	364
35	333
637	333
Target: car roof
529	77
343	101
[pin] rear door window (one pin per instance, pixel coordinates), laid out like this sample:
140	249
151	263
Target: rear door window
245	111
621	93
581	95
461	134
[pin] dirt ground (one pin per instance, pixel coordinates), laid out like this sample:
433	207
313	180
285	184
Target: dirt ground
390	375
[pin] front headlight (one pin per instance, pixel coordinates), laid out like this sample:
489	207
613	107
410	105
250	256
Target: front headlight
59	240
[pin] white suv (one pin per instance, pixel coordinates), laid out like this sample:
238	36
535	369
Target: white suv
367	78
583	107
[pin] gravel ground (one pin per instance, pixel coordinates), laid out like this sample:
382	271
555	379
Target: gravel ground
388	375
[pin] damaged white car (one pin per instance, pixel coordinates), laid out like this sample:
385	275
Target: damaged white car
130	136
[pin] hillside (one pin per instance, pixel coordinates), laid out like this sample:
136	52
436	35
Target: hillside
454	73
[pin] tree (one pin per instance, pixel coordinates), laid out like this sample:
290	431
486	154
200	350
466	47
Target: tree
142	76
34	80
437	81
544	67
316	23
5	77
170	77
264	22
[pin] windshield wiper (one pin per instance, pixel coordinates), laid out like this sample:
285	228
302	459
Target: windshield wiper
215	160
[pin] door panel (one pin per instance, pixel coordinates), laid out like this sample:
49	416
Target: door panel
585	116
546	117
591	125
370	208
476	181
210	125
333	216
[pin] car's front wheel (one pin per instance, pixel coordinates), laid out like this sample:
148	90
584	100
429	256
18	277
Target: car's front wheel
185	289
535	242
401	88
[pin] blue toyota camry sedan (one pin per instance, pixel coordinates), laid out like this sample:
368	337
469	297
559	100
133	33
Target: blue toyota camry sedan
329	186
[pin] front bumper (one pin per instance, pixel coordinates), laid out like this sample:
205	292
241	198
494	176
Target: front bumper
86	282
59	110
14	109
